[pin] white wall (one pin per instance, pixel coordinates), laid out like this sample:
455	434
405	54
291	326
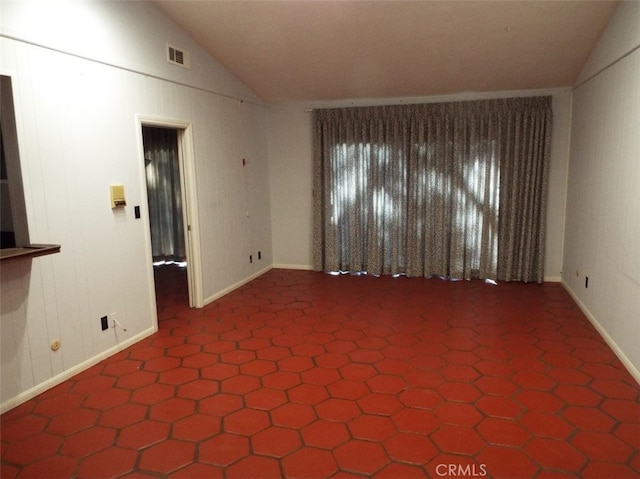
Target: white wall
603	206
290	162
81	73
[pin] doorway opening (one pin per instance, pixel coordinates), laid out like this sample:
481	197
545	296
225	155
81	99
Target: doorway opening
170	208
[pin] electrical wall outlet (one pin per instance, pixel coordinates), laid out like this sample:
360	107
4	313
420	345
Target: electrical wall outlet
259	254
104	323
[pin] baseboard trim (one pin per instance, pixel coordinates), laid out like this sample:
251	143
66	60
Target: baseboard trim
608	339
237	285
303	267
78	368
552	279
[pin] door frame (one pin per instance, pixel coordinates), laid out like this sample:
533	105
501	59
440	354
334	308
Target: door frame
188	190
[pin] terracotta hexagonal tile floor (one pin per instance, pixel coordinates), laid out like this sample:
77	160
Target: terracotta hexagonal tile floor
300	374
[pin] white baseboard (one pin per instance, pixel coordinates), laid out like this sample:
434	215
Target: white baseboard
608	339
63	376
552	279
235	286
303	267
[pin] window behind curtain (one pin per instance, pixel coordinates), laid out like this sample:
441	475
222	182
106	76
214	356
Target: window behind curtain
456	190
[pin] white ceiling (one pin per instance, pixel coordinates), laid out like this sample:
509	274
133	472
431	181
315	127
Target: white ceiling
333	50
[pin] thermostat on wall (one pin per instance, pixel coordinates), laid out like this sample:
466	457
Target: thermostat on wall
117	196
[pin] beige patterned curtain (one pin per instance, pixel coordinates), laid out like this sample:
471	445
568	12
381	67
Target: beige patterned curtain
456	190
162	169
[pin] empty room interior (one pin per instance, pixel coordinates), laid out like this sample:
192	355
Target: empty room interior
321	239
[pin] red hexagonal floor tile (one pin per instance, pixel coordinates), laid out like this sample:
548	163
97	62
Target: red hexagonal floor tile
121	368
223	449
503	432
293	415
53	406
137	379
254	344
361	457
196	428
107	399
265	398
199	360
31	449
254	466
461	414
124	415
456	391
424	379
371	427
308	394
152	394
144	434
457	440
325	434
281	380
167	456
277	380
600	446
337	409
544	424
496	406
31	425
240	384
273	353
198	389
395	470
197	470
385	383
172	409
320	376
309	462
87	442
220	404
555	454
578	395
378	403
258	367
111	462
163	363
178	376
420	398
496	386
506	462
411	448
415	420
94	383
246	421
63	425
599	470
55	466
275	441
622	409
358	372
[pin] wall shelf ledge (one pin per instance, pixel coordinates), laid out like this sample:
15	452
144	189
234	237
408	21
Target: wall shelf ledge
30	251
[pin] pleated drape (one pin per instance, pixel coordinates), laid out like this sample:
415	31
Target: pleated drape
164	193
456	190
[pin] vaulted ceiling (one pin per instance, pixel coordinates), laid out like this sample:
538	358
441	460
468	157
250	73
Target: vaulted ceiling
332	50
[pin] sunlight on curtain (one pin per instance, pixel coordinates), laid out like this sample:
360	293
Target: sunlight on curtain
163	190
456	190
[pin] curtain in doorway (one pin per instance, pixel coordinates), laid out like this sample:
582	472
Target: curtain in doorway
456	190
163	190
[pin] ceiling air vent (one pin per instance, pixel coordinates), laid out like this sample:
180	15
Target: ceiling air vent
178	57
